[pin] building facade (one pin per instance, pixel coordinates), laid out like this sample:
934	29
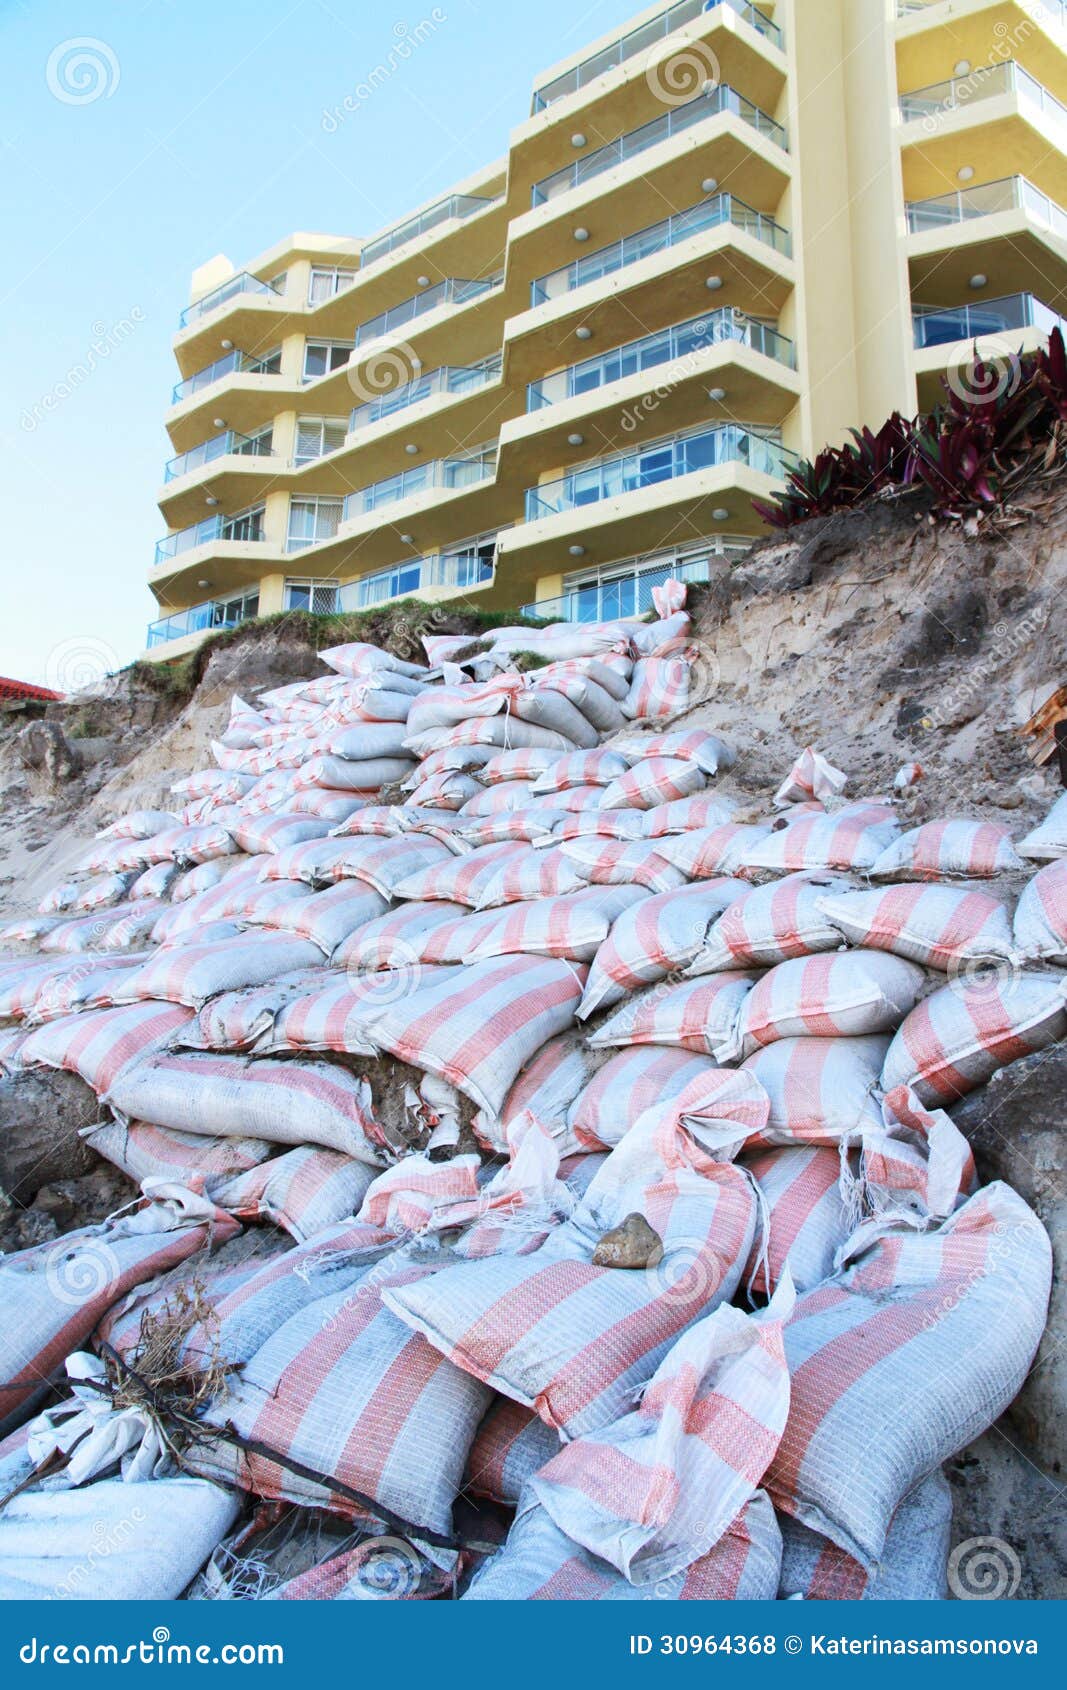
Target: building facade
724	235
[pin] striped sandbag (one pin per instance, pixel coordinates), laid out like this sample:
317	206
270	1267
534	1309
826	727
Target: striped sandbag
574	927
938	926
496	800
303	1191
854	838
692	745
260	835
459	879
512	1444
527	764
415	1192
147	1152
684	815
656	939
699	1015
631	1082
327	919
235	1020
340	1016
977	850
838	994
958	1038
703	853
911	1568
537	874
392	940
654	780
191	974
580	768
545	1090
605	824
821	1090
1048	841
805	1220
1041	916
771	924
622	862
101	1044
110	930
526	826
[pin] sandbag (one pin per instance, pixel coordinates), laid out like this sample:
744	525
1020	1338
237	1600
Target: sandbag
939	926
1048	841
234	1021
571	927
657	938
191	974
853	838
830	996
771	924
100	1044
806	1217
303	1191
391	940
958	1038
1040	927
631	1082
911	1568
821	1090
697	1015
655	780
976	850
328	919
201	1164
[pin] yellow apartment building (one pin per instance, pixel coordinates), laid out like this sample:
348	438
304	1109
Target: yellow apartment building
724	234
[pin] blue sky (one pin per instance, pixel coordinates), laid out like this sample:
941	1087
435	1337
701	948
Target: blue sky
206	135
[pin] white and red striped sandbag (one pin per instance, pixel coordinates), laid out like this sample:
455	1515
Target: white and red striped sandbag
111	930
853	838
692	745
539	1563
258	835
660	685
699	1015
347	1408
976	850
302	1191
340	1016
527	826
192	881
772	924
384	821
319	862
212	891
498	800
284	1102
459	880
911	1568
93	983
139	824
251	901
1048	841
623	862
339	774
633	1081
392	939
535	874
918	1164
544	1090
1041	916
30	929
581	768
60	898
906	1355
685	815
806	1217
660	937
504	733
572	1340
60	1289
417	1193
23	979
213	783
810	777
477	1029
657	1490
528	764
100	1044
512	1443
158	881
706	853
939	926
821	1091
451	791
332	807
105	891
655	780
958	1038
572	927
604	824
270	793
191	973
327	919
452	941
841	994
200	1164
235	1020
187	846
41	988
576	800
358	659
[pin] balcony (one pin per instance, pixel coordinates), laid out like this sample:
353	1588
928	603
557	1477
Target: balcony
675	122
449	475
454	208
684	340
944	325
213	301
1050	11
461	569
664	460
625	589
941	99
234	363
641	39
223	445
456	382
248	525
452	291
201	618
709	214
1012	193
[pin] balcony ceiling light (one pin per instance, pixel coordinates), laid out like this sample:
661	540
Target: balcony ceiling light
578	139
962	67
203	583
713	284
709	184
720	513
408	539
218	422
211	499
965	173
227	345
581	234
423	281
583	333
978	280
717	393
411	449
576	440
576	551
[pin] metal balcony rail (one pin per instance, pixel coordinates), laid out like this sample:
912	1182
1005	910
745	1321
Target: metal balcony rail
215	613
683	341
241	283
230	443
646	36
1010	193
451	209
709	214
248	525
1054	11
940	325
664	460
452	291
452	379
620	592
719	99
449	474
956	94
461	569
234	363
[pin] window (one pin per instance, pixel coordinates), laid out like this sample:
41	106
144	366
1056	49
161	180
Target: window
327	282
226	613
246	525
256	445
322	356
320	597
315	436
312	520
279	282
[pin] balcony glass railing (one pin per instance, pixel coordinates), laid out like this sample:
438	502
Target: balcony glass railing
216	613
219	446
461	569
985	83
710	214
452	291
674	122
937	325
1047	11
663	460
644	37
235	362
452	380
241	283
449	210
448	474
684	341
625	589
1011	193
247	526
